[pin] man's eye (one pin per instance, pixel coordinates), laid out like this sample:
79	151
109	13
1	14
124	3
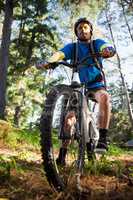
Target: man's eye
85	27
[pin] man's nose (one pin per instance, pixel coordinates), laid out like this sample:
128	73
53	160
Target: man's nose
83	29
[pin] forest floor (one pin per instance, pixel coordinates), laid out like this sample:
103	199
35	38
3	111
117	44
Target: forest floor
23	179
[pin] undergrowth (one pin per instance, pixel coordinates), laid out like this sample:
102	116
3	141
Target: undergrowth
104	166
15	138
6	166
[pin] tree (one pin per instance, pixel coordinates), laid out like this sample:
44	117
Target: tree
32	36
126	21
125	90
4	54
35	34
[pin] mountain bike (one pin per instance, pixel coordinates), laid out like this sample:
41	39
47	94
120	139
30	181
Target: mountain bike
84	135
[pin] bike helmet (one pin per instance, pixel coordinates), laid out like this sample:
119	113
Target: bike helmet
80	20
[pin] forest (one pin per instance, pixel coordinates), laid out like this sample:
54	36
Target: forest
31	30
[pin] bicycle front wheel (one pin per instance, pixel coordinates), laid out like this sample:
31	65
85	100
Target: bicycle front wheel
56	107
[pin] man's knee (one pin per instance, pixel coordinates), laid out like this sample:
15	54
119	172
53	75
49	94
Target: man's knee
70	120
103	97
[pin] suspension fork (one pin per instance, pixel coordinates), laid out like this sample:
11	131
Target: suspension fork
82	144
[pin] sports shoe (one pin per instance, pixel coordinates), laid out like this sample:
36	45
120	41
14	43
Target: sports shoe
61	158
102	145
102	142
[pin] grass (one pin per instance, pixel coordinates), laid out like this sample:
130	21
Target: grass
21	167
16	138
107	166
104	166
30	137
114	150
7	164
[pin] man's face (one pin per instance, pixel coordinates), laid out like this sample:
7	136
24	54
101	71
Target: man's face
84	31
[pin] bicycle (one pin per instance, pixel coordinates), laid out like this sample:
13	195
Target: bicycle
84	137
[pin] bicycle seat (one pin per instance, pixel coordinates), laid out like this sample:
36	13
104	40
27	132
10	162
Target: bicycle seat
91	96
75	84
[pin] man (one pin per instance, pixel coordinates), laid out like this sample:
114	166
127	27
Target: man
90	73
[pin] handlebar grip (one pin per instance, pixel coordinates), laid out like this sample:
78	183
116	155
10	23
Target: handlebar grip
40	64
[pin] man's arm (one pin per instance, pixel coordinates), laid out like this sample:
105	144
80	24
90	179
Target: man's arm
57	56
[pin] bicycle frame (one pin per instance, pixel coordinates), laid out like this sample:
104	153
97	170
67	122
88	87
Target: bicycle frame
88	119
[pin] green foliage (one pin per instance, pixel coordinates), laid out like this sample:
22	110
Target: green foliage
33	33
33	36
92	6
130	169
128	7
28	94
25	155
30	137
117	95
1	5
55	139
107	165
104	166
11	139
14	138
6	165
120	128
110	167
114	150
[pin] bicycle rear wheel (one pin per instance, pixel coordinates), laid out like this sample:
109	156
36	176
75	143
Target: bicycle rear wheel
93	134
56	106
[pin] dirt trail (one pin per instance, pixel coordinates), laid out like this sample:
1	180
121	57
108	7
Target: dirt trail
27	181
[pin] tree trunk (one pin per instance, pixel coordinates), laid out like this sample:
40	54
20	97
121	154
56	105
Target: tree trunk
125	90
18	110
129	30
17	116
30	50
4	54
22	26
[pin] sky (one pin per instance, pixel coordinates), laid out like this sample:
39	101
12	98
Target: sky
123	41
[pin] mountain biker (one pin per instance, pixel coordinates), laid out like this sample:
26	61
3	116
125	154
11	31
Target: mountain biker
89	73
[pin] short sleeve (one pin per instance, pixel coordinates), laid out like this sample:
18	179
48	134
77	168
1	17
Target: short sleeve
101	44
68	51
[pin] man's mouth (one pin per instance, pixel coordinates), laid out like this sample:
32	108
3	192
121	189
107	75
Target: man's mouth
83	34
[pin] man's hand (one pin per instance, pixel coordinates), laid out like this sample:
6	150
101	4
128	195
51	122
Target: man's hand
107	52
42	64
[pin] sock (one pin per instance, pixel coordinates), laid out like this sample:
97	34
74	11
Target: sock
102	143
62	155
103	134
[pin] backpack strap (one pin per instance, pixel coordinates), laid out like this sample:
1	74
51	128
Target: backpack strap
93	52
95	59
75	55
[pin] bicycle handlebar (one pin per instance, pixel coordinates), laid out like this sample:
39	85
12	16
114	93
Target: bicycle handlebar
46	65
78	63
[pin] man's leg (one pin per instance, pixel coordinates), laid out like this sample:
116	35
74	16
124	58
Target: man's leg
69	122
62	153
103	98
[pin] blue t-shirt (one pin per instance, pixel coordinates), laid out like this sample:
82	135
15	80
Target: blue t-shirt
88	72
